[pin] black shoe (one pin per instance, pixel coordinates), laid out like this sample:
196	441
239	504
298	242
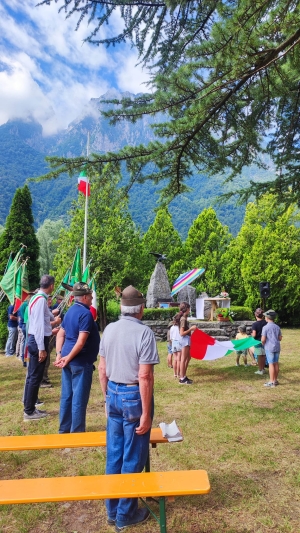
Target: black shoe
111	521
39	403
140	516
185	381
46	384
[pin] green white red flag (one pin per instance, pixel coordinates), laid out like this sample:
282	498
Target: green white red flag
21	287
94	306
84	184
206	348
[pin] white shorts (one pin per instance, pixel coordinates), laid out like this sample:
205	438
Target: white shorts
185	341
176	346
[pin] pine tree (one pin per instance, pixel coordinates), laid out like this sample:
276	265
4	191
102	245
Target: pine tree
19	229
225	76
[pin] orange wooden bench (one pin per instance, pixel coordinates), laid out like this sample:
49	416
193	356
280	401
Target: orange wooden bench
154	484
68	440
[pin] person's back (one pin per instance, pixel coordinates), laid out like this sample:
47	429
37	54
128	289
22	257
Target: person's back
271	337
128	354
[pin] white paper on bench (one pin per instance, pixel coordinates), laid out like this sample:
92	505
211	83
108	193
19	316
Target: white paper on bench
171	431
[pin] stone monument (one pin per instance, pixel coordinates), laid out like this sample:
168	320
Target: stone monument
159	287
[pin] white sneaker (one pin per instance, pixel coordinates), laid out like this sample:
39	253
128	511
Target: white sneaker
260	372
36	415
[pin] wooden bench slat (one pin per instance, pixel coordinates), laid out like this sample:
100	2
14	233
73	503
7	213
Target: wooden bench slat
65	440
156	484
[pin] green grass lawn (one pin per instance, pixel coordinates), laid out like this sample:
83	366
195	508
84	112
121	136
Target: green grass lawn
244	435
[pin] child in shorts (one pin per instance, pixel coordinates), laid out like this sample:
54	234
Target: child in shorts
176	348
270	338
241	335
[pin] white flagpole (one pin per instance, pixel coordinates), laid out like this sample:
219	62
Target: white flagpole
86	210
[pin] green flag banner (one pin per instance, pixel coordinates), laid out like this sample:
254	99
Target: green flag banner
76	271
86	275
7	283
242	344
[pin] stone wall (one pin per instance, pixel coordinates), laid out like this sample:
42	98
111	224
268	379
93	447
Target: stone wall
229	329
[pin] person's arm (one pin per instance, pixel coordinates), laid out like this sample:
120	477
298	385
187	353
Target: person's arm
13	317
60	339
188	331
263	339
146	381
64	361
102	376
253	333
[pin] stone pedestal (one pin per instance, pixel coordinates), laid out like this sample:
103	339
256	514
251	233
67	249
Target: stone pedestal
188	294
159	287
207	306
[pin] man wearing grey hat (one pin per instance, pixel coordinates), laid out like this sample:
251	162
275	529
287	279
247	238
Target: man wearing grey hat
77	347
270	338
128	354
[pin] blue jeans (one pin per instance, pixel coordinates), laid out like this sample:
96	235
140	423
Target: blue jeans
126	452
76	384
11	342
34	375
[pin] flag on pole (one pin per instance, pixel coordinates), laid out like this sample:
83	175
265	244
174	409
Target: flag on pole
86	274
94	306
7	283
21	287
76	271
206	348
84	184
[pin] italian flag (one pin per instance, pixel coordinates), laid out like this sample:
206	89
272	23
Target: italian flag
94	306
206	348
84	184
21	287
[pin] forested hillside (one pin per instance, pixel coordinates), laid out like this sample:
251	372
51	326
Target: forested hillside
23	149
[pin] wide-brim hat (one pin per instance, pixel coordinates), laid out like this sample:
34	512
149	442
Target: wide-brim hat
79	288
131	296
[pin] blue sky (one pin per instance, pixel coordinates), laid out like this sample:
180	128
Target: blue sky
46	70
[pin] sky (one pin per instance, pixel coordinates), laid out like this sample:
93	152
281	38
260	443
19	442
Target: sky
48	73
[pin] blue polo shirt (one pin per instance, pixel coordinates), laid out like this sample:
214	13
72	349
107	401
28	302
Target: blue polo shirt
79	319
11	323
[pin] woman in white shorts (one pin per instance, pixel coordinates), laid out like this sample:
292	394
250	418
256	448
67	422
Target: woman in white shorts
185	333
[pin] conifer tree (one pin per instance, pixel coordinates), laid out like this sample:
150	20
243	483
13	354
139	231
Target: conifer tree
226	79
206	242
19	229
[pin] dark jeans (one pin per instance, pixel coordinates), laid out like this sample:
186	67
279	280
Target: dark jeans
50	348
34	374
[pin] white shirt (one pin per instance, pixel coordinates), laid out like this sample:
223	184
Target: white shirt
174	333
39	316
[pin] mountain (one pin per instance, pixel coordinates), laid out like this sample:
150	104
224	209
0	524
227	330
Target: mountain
23	149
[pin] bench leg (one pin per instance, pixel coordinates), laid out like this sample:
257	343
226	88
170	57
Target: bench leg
147	465
162	515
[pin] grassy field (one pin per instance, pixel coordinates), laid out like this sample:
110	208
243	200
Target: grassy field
244	435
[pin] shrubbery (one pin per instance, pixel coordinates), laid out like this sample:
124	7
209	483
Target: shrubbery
242	313
113	312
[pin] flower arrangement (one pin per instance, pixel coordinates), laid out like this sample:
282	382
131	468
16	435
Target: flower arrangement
224	294
224	312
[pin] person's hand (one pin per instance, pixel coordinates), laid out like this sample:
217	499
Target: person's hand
55	312
145	425
193	328
55	331
57	321
64	361
57	360
42	355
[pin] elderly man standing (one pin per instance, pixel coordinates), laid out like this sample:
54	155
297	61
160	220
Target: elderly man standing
128	354
39	332
77	348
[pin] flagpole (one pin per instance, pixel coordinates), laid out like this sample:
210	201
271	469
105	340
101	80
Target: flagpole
86	210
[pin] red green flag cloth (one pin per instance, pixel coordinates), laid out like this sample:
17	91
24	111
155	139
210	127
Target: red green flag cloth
76	271
206	348
7	283
84	184
94	306
21	287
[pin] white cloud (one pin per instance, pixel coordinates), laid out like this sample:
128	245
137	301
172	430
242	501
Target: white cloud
49	72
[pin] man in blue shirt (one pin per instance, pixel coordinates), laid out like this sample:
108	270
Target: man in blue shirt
12	326
77	347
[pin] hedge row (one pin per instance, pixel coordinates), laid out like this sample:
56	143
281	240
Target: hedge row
113	313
